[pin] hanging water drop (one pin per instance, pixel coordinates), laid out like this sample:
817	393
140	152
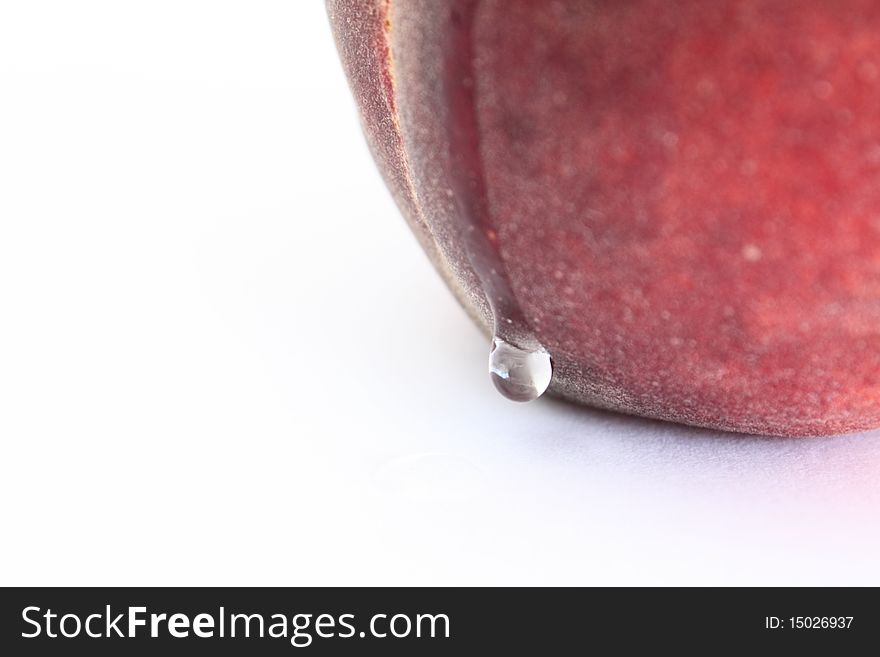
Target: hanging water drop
519	374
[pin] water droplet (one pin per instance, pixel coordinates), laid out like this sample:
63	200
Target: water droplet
519	374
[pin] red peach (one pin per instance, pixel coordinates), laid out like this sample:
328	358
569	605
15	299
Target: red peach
679	200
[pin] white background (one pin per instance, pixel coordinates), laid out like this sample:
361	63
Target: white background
224	360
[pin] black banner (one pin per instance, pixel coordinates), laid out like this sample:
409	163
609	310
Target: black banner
418	621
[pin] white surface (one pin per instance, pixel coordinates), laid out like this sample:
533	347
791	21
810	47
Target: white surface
224	360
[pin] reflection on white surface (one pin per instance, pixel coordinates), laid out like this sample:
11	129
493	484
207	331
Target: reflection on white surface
223	359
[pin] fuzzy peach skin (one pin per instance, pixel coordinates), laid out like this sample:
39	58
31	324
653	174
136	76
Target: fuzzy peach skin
683	196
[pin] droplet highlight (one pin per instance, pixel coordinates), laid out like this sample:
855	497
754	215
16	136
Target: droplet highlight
519	374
